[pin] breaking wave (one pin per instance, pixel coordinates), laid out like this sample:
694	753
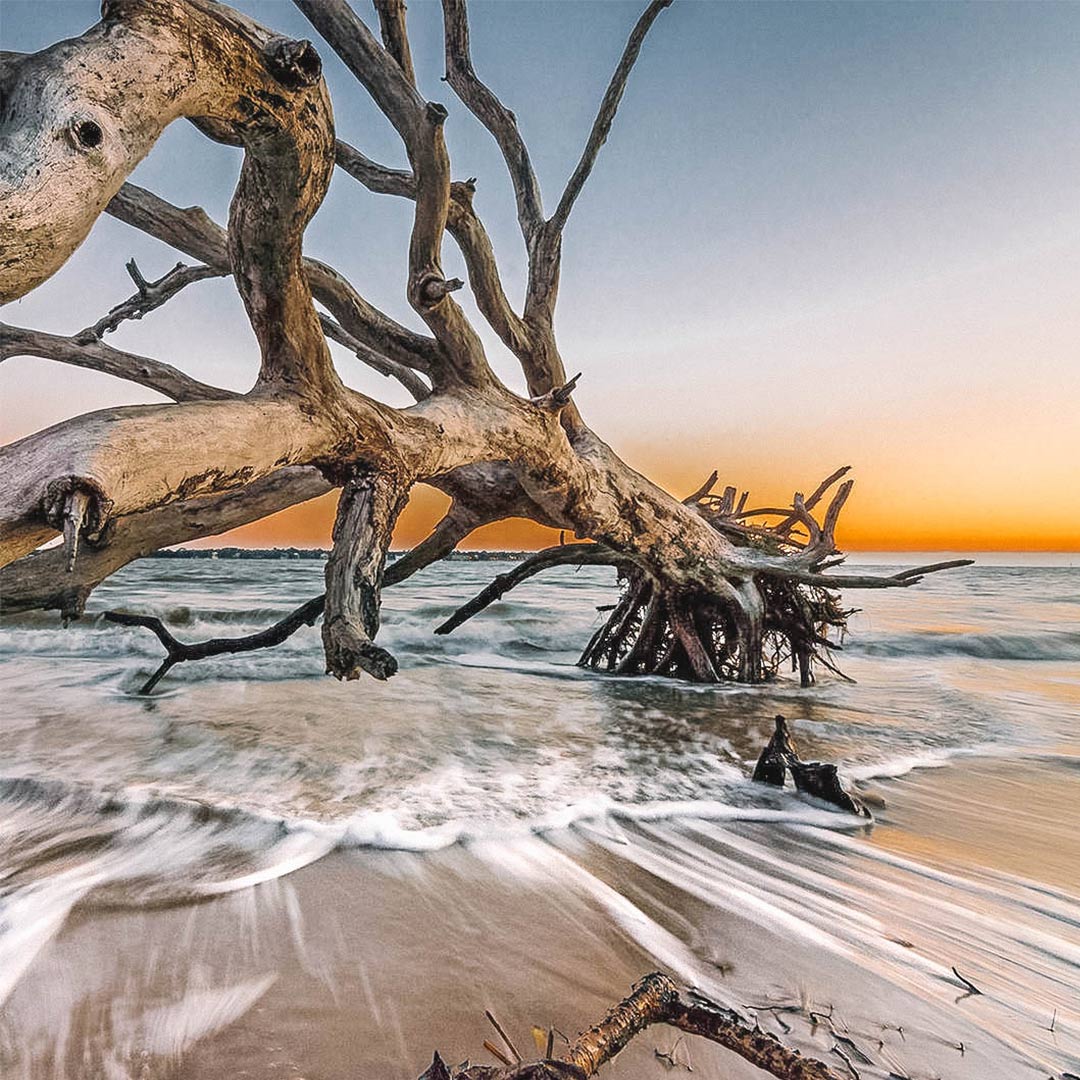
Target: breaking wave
1049	645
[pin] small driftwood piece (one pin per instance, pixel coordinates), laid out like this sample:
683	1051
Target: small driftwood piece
654	1000
811	777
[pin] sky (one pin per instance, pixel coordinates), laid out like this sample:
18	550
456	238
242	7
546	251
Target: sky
819	234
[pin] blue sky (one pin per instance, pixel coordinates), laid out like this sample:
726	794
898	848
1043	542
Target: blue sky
819	234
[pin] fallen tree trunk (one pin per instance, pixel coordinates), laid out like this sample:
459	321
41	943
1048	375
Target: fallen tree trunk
713	590
654	1000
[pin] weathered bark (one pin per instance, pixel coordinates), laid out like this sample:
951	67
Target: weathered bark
369	506
43	581
712	590
654	1000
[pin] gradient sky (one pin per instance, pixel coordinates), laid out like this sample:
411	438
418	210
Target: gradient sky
820	234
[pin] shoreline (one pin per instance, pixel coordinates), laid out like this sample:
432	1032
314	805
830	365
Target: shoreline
856	557
363	963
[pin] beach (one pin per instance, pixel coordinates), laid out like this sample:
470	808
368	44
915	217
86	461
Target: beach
265	873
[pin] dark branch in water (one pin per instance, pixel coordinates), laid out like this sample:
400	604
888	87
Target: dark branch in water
177	652
564	555
442	540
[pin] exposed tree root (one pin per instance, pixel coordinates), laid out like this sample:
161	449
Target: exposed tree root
748	634
654	1000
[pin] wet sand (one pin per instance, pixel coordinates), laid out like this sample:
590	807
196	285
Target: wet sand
361	964
1014	817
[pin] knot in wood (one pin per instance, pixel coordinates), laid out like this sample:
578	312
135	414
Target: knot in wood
433	288
294	63
57	500
85	134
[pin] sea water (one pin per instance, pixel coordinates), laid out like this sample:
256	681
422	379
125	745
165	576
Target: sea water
241	769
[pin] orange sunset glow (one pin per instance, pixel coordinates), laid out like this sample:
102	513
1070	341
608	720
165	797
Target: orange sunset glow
782	264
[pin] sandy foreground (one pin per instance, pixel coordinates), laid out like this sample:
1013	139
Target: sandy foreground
361	964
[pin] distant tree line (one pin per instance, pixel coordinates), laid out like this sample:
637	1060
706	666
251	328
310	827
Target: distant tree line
319	553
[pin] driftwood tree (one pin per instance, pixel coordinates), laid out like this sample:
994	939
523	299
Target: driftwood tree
714	588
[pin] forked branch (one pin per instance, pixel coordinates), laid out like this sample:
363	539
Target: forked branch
465	226
177	652
386	76
150	295
193	232
494	115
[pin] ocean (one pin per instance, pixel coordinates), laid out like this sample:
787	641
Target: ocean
185	880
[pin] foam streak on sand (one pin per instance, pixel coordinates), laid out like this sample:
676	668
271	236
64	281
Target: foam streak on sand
496	828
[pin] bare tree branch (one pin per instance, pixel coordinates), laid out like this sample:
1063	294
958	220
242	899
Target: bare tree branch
564	555
42	580
193	232
451	529
395	36
458	522
465	226
463	223
420	125
375	360
494	115
379	73
654	1000
901	580
177	652
657	1000
545	255
150	295
97	356
367	510
381	179
606	116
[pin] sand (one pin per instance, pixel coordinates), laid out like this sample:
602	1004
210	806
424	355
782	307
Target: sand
361	964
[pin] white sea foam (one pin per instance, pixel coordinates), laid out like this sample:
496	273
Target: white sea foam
245	769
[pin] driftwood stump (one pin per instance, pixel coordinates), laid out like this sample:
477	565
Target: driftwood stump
815	778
